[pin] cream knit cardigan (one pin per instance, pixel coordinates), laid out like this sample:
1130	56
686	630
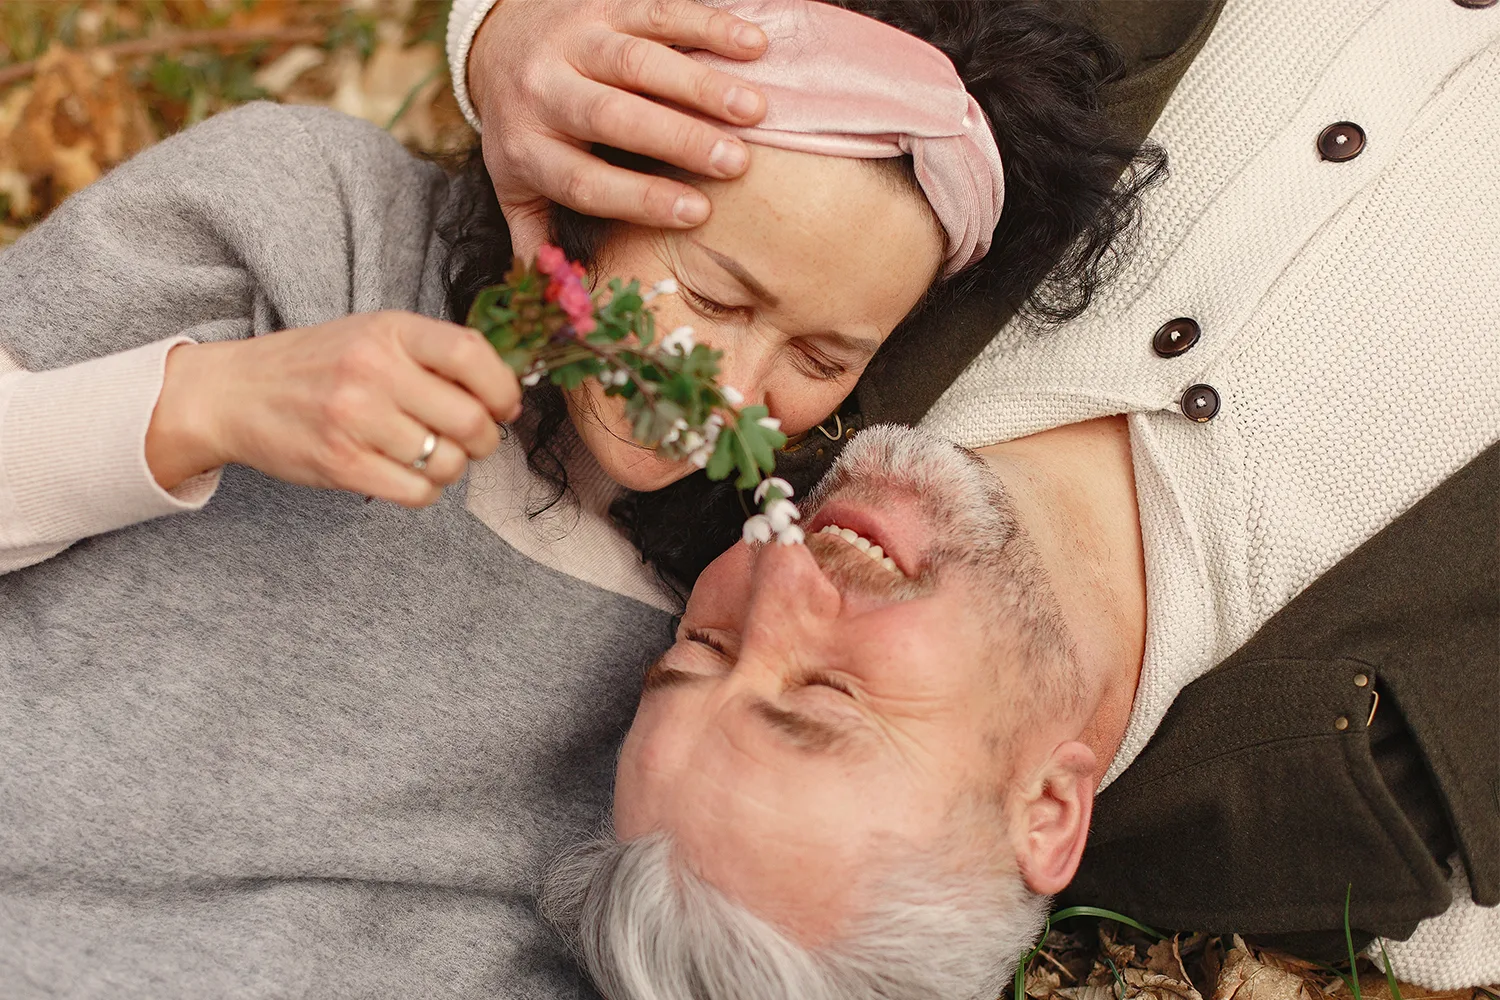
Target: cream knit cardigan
1351	324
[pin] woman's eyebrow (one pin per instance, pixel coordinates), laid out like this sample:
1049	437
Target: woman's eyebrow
741	275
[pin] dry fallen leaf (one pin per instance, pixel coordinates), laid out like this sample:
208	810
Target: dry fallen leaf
1155	986
80	118
1246	977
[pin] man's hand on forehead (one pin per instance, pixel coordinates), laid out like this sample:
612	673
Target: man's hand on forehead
591	71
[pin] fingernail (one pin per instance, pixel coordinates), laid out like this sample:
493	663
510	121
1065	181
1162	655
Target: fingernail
690	209
748	36
741	103
727	157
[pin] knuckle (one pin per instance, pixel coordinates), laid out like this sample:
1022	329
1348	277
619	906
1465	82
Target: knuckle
602	111
342	408
360	361
660	15
686	137
334	457
577	188
631	58
473	425
535	83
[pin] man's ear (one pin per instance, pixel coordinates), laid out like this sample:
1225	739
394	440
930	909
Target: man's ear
1051	817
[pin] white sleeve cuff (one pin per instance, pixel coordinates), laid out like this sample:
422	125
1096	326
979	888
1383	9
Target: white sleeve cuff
73	453
463	23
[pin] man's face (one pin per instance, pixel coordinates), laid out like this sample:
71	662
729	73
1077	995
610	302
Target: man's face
819	708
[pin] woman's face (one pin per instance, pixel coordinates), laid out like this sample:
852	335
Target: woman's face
805	267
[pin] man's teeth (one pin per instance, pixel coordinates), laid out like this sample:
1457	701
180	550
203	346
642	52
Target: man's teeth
854	538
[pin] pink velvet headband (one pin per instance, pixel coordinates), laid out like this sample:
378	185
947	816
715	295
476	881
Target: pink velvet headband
842	84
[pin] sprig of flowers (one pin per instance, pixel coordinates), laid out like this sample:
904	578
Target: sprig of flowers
545	324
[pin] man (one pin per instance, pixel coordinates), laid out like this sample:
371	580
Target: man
850	780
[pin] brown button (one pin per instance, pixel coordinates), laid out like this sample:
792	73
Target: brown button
1200	403
1176	337
1476	4
1341	141
1341	723
1360	680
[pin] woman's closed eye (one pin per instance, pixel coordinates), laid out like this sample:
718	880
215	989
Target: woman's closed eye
815	364
708	307
705	639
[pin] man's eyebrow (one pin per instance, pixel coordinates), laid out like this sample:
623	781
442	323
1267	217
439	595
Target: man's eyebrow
741	275
806	732
659	675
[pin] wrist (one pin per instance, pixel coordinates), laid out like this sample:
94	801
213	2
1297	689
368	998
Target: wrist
474	45
183	438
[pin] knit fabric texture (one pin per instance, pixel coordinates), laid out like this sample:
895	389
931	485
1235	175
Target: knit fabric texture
295	743
1349	316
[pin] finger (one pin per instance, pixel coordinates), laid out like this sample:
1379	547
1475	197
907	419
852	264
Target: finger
529	225
402	439
693	25
643	66
628	121
376	475
587	184
442	407
461	355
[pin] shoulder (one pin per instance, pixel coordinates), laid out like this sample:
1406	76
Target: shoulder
265	144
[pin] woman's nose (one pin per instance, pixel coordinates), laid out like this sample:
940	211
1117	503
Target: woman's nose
745	366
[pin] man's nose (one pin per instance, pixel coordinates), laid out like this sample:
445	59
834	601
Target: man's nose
791	602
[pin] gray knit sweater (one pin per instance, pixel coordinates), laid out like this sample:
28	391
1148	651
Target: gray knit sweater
294	745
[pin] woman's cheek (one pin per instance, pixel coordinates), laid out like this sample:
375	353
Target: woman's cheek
802	403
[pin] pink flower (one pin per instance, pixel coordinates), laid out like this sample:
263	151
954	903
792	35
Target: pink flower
551	261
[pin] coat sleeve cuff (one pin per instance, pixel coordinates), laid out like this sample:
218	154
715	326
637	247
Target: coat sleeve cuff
463	23
73	452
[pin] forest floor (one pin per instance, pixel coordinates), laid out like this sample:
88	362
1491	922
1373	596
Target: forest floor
86	85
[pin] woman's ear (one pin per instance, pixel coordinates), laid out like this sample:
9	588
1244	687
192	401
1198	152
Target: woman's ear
1051	818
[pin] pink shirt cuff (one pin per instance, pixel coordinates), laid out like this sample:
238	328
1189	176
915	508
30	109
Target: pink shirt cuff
73	453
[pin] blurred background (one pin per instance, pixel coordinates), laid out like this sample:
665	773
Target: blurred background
85	85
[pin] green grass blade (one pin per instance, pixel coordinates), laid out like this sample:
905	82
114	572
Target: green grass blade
1095	911
1018	991
1353	979
1390	977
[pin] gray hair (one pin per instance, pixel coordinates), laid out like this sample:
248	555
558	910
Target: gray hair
648	928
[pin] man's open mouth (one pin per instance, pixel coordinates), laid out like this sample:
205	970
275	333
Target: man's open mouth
875	552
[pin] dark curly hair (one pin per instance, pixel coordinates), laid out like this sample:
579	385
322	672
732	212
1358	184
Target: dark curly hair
1073	188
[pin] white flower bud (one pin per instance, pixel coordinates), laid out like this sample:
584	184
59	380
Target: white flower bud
666	286
774	483
770	423
531	379
757	530
679	340
700	457
692	441
791	536
731	395
782	513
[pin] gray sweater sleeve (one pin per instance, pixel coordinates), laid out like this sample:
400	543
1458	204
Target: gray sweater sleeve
263	218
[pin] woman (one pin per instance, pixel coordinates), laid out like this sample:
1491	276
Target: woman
302	738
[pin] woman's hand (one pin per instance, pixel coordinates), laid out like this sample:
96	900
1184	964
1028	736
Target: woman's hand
549	77
347	404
